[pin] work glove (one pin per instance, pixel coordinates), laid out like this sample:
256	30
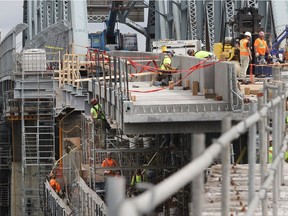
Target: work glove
257	54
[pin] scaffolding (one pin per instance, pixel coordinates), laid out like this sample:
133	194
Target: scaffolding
5	167
34	92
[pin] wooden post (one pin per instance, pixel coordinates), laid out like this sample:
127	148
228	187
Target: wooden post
195	87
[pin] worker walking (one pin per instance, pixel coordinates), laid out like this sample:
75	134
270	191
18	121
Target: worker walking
245	54
261	48
109	162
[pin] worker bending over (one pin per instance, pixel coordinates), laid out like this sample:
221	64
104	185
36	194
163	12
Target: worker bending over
165	70
54	184
200	54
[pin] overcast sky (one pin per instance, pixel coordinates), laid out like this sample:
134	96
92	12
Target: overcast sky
10	15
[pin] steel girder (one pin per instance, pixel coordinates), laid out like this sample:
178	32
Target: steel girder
192	17
41	14
210	24
229	13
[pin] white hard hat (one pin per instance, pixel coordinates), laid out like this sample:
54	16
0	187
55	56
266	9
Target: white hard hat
248	34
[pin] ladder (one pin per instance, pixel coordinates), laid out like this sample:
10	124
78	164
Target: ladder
38	153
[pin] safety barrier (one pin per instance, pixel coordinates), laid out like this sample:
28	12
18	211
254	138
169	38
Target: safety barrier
272	110
54	204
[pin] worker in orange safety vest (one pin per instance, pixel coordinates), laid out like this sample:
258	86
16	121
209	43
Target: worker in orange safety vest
261	48
109	162
54	184
245	54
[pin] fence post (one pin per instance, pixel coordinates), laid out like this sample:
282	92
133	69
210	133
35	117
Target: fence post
263	152
275	131
252	155
198	147
281	131
225	170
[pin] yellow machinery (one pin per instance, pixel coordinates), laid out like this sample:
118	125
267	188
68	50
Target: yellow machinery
227	53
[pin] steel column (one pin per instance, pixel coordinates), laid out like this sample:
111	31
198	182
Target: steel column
263	152
275	124
225	170
252	155
198	147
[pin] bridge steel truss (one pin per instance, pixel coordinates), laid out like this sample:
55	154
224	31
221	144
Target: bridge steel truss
175	19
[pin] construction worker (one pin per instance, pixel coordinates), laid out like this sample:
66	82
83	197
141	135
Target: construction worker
163	79
270	153
54	184
200	54
245	54
99	120
98	114
109	162
261	48
138	177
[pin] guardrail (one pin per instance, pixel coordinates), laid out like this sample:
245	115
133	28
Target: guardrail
273	110
55	205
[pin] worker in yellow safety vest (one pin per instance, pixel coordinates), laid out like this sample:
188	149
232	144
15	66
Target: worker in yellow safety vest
270	153
166	69
201	54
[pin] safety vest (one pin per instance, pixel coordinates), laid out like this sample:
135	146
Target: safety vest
270	155
54	184
243	47
96	112
261	46
203	54
109	163
137	179
166	60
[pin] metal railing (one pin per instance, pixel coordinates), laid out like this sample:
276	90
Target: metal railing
273	110
55	205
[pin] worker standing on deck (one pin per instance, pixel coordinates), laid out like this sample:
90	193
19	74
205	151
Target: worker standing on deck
201	54
109	162
245	54
261	48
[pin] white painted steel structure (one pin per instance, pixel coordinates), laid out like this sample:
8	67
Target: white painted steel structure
146	202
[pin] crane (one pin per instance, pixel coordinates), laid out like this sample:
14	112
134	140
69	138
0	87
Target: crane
111	39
